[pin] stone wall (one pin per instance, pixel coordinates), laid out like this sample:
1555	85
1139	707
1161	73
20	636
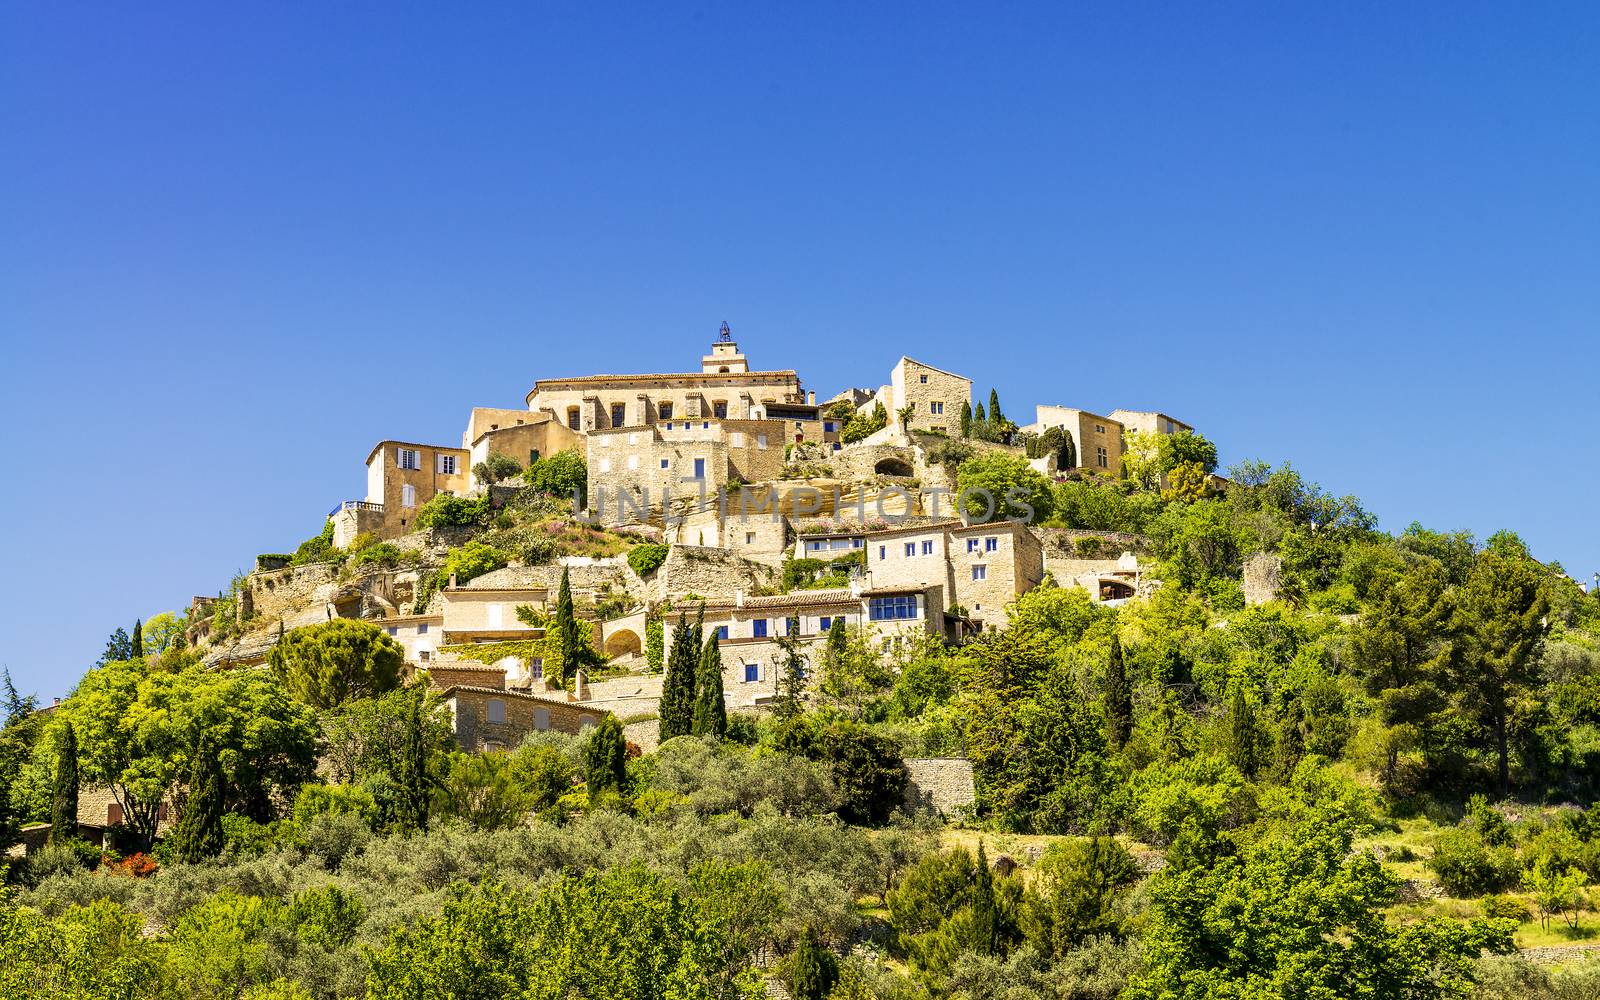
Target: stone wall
708	572
935	396
941	784
524	714
1262	573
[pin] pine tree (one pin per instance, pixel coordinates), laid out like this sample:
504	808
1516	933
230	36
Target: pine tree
815	970
1242	738
966	418
1118	699
678	687
198	834
605	759
416	783
64	790
710	710
995	416
985	928
138	639
118	648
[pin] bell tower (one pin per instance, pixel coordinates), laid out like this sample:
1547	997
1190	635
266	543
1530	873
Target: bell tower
724	358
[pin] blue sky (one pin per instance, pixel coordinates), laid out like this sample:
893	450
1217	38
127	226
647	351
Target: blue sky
242	245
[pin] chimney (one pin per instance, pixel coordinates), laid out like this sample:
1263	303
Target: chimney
55	701
580	686
811	398
452	581
738	598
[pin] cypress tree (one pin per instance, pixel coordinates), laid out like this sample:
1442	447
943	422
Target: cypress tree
199	831
710	711
1242	733
1118	699
994	407
977	415
605	759
966	418
815	969
985	932
138	639
678	688
64	791
569	639
416	785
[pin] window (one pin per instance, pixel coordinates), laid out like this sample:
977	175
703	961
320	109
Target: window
883	552
911	548
699	468
705	425
663	463
858	543
572	417
927	548
923	379
424	655
665	411
980	572
408	495
828	426
1170	429
888	609
633	462
719	409
605	465
1099	428
619	414
492	612
824	623
1100	458
393	630
541	718
736	439
446	464
493	746
722	633
761	442
972	545
936	407
758	628
422	628
536	667
791	626
749	538
496	710
408	458
113	814
752	672
991	544
533	455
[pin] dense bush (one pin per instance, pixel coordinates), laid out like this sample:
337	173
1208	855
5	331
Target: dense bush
646	559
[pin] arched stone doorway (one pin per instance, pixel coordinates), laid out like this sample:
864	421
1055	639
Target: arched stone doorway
893	467
623	642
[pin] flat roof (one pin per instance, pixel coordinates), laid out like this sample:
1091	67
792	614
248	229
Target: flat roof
786	375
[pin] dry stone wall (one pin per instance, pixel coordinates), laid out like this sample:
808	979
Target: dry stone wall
940	784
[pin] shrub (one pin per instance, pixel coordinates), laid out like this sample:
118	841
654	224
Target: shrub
563	475
385	554
646	559
496	468
327	664
1466	865
1012	485
446	510
316	549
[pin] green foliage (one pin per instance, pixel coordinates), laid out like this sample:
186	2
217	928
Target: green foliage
465	563
864	424
569	647
1078	894
1467	865
90	951
865	766
997	486
328	664
318	548
646	559
1186	448
655	642
563	474
814	970
446	510
64	793
496	468
605	761
678	688
198	834
1118	699
710	707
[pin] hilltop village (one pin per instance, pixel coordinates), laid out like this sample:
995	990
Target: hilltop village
728	493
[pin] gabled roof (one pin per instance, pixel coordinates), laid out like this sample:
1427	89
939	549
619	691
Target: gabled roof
924	364
411	444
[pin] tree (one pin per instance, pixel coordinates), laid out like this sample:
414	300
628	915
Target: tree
564	474
495	468
198	834
1244	751
330	663
1079	885
414	775
995	416
1186	448
161	633
1186	483
904	415
977	415
1118	699
998	486
1498	632
1398	648
16	705
571	651
486	791
966	418
791	676
64	788
985	932
1300	914
605	760
678	687
1141	459
710	708
815	970
118	649
137	645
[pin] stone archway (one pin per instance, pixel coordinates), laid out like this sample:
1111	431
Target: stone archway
893	467
623	642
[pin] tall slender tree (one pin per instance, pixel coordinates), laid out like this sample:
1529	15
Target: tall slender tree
678	687
815	971
985	916
977	414
64	788
572	651
995	416
1243	738
966	418
1118	699
791	676
414	774
138	639
605	760
198	834
710	710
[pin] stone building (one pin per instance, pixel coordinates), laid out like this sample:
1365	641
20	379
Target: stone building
724	388
633	470
747	629
1098	439
487	719
418	635
935	395
476	612
1149	422
981	567
401	476
531	437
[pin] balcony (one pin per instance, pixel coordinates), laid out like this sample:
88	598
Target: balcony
376	508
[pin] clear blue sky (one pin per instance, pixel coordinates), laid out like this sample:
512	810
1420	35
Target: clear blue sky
239	245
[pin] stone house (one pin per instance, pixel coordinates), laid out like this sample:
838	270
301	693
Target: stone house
635	469
418	635
747	629
935	395
401	476
981	567
1098	439
487	719
745	529
487	613
724	388
1149	422
532	436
